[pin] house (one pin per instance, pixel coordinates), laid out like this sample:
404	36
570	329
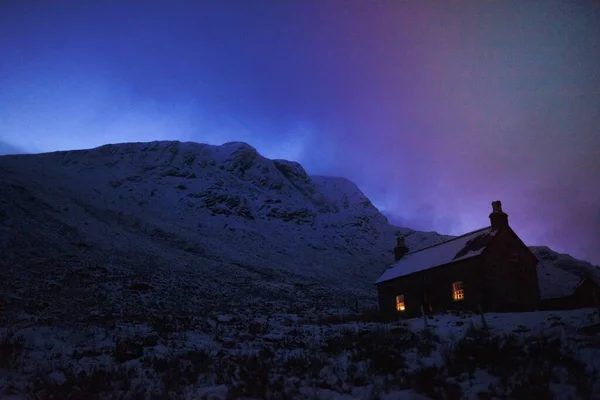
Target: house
489	269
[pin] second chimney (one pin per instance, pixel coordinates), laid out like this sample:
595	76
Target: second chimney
400	250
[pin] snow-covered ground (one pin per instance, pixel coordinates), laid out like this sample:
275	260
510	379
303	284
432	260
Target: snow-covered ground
520	355
163	266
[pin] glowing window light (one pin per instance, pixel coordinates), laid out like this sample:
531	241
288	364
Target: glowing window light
400	303
458	291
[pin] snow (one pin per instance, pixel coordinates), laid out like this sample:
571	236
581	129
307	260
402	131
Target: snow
433	256
449	325
334	379
185	250
559	274
554	281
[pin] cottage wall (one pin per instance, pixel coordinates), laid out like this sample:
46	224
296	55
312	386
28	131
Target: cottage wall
559	303
587	294
510	275
438	281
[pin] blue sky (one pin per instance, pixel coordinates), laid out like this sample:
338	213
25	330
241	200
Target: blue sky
433	109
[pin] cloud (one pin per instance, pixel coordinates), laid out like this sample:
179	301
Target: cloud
84	112
87	112
6	148
434	111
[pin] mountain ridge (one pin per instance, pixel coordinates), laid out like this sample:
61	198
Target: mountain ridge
162	210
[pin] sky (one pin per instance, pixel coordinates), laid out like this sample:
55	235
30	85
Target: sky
434	109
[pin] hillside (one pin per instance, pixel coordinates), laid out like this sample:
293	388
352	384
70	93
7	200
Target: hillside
559	274
200	226
184	269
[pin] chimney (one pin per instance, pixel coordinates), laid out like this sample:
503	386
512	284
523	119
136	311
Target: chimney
498	218
400	250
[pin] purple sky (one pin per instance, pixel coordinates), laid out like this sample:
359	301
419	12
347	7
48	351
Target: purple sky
433	109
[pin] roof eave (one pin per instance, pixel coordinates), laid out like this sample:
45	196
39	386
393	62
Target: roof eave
430	268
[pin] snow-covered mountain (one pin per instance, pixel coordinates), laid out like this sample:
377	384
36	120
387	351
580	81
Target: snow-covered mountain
199	226
559	274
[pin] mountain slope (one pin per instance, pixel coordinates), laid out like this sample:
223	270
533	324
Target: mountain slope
559	274
203	226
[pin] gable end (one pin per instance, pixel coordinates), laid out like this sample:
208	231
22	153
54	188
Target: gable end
514	234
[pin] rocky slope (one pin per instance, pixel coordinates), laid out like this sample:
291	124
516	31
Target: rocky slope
559	274
197	226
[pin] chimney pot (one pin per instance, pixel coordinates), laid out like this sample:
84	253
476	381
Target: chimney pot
400	250
497	206
498	218
400	241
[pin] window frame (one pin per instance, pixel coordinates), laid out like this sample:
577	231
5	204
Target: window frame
400	305
458	291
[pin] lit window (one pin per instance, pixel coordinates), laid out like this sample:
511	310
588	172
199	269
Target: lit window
458	291
400	303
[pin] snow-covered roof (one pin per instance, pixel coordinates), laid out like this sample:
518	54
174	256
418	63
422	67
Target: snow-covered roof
460	248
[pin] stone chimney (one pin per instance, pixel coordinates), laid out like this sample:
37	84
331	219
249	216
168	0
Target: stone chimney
400	250
498	218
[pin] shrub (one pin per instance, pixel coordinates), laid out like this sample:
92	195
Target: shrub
429	380
128	349
532	362
532	388
427	342
302	364
11	350
140	286
201	360
251	375
91	385
366	316
383	348
164	325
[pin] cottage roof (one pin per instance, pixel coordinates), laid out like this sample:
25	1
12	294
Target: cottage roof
462	247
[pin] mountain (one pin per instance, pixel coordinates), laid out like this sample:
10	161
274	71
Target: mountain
199	226
559	274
